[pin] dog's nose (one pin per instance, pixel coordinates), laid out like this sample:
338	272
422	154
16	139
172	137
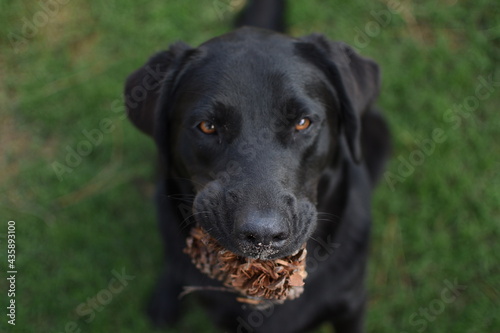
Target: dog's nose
262	229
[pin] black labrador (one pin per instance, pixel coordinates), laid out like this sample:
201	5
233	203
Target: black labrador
268	142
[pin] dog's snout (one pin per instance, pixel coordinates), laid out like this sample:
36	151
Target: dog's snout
260	230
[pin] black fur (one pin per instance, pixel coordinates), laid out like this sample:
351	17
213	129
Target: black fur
261	187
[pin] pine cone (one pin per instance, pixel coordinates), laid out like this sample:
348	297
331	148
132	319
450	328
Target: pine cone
257	280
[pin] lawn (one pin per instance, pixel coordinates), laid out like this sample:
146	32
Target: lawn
82	219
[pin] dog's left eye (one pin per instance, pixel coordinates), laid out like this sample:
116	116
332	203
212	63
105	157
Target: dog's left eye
303	124
207	127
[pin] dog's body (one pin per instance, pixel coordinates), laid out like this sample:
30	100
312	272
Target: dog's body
278	142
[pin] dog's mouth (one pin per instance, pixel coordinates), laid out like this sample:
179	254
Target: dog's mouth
256	247
265	251
260	251
268	225
252	250
255	279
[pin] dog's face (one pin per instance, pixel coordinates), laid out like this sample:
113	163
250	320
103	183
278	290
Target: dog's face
253	135
252	119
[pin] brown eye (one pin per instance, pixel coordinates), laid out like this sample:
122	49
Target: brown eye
303	124
207	127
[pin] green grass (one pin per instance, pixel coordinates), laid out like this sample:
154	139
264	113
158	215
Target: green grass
441	222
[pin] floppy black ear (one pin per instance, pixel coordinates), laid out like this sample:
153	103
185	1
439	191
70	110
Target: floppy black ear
356	80
143	87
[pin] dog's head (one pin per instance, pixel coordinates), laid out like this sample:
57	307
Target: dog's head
252	119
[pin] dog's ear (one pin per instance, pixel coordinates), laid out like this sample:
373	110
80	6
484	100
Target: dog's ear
356	81
144	86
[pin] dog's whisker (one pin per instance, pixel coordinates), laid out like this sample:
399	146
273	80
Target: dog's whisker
316	240
180	195
187	221
193	214
176	194
191	181
330	214
326	220
188	198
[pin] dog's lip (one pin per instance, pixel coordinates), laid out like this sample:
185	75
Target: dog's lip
253	252
266	253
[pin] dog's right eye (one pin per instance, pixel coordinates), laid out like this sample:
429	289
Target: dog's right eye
207	127
303	124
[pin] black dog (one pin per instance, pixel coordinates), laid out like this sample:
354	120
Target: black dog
268	142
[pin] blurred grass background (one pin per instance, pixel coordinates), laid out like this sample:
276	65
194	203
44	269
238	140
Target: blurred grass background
63	75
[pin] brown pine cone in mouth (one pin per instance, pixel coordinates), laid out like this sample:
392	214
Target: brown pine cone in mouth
255	279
